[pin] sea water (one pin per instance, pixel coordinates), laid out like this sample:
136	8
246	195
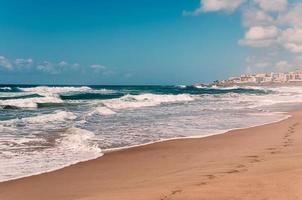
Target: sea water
43	128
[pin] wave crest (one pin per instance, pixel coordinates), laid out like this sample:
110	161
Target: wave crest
29	102
145	100
50	91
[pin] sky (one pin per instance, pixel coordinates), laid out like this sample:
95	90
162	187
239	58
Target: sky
124	42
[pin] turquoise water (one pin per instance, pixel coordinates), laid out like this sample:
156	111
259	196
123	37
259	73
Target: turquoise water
44	128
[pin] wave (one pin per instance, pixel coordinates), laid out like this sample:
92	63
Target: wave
4	89
9	89
74	145
181	86
50	91
90	95
199	87
145	100
8	97
78	139
58	116
34	96
102	111
54	117
29	102
4	128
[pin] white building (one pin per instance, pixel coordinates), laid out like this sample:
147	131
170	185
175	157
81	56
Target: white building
294	76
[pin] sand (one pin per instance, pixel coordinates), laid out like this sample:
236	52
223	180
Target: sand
258	163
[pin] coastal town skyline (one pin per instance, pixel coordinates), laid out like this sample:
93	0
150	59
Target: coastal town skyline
264	78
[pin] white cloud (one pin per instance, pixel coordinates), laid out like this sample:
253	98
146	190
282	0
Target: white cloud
260	33
20	62
293	17
63	64
274	27
298	60
47	67
98	67
215	5
21	65
256	63
283	66
291	39
288	25
272	5
75	66
256	17
101	69
4	62
258	36
270	62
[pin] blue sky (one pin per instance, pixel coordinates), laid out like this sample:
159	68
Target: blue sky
126	41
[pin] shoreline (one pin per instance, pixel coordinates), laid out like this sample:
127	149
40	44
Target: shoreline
152	154
106	151
286	116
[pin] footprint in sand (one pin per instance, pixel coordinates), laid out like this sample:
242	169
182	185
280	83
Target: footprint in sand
295	124
242	168
174	192
210	176
254	158
201	184
233	171
275	152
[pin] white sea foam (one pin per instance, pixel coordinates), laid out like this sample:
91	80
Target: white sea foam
199	86
53	117
78	139
144	100
29	102
47	120
6	88
40	144
74	145
181	86
51	91
102	111
4	128
49	95
13	94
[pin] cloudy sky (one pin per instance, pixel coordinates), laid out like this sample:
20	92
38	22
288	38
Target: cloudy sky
146	41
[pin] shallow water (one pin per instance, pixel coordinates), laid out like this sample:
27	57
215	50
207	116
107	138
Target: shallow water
45	127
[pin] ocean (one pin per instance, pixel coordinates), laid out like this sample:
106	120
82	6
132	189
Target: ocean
43	128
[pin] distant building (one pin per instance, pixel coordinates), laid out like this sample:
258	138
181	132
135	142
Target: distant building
295	76
287	77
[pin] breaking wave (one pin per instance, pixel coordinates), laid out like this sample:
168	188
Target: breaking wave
9	89
73	146
145	100
57	126
47	118
50	91
29	102
102	111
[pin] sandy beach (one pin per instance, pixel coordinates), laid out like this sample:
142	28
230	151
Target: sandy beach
263	162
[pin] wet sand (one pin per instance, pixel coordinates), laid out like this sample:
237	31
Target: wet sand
263	162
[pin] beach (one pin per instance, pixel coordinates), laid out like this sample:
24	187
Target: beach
151	100
263	162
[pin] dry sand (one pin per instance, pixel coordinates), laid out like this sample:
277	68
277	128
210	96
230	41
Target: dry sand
259	163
